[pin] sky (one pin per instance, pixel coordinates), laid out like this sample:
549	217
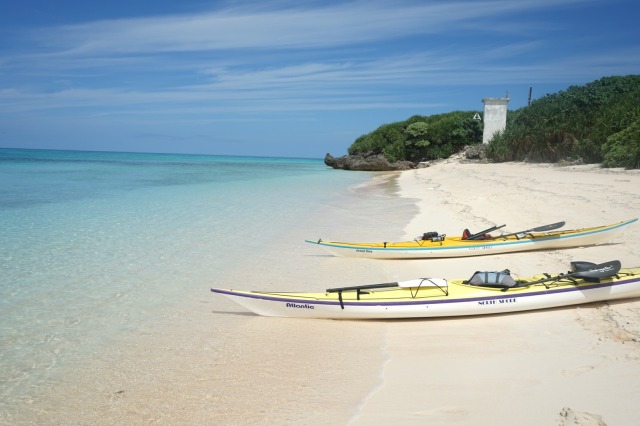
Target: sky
285	78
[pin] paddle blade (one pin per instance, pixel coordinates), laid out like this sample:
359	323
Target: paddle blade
550	227
579	266
603	270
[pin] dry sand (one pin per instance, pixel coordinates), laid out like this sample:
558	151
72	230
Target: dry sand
575	365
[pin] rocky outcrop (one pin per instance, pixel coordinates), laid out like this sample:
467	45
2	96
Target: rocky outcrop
366	162
476	152
378	163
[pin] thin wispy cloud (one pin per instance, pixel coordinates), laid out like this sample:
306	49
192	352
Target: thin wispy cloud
315	26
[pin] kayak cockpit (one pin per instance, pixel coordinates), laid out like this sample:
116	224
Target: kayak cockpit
413	285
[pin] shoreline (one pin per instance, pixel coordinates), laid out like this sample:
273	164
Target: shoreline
207	360
575	365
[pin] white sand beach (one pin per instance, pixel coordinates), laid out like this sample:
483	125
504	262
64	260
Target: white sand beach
212	362
575	365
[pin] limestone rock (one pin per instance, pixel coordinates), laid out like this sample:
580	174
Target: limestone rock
366	162
475	152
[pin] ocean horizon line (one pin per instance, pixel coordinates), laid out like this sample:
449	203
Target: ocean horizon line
160	153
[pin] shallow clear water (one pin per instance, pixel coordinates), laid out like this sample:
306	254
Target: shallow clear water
94	245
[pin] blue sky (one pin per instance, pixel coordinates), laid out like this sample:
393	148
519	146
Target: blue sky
285	78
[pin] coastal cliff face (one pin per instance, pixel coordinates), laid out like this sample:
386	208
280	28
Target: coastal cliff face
366	162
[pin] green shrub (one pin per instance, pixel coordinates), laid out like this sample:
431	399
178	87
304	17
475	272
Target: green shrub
421	138
623	148
571	125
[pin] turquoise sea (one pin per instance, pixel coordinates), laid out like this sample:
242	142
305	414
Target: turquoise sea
97	245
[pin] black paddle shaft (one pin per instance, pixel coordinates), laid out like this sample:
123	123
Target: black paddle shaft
361	287
544	228
481	233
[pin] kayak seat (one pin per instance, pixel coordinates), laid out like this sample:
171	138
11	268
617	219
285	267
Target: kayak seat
496	279
466	234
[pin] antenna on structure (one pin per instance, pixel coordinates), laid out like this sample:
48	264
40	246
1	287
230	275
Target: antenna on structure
530	89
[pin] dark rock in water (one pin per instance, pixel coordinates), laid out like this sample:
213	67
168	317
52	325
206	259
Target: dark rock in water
366	162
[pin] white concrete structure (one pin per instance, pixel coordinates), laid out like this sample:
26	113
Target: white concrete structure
495	117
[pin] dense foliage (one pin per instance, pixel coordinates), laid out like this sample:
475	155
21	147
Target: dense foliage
421	138
595	123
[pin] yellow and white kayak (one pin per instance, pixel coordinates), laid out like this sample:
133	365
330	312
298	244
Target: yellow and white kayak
441	246
484	293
